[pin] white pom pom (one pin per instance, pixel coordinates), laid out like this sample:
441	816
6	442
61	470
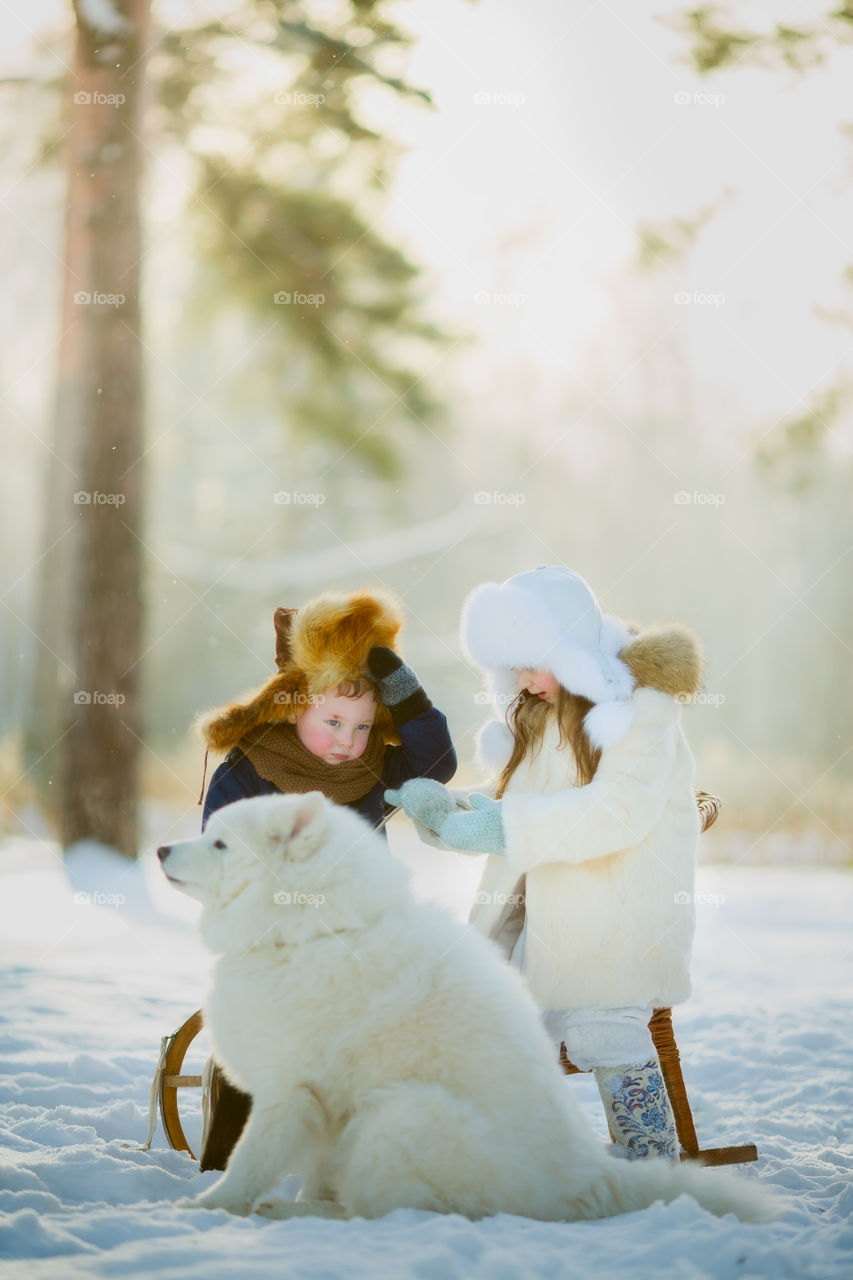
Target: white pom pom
494	745
607	723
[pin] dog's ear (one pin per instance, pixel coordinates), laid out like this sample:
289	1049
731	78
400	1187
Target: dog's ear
310	819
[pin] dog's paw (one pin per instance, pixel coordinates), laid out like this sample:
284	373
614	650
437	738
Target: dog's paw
300	1209
187	1202
211	1201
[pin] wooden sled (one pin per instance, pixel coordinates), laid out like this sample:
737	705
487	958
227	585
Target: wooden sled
169	1079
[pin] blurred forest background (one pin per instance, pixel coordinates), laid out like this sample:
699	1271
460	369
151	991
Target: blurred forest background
429	292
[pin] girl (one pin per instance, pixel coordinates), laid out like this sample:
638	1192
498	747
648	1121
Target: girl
590	823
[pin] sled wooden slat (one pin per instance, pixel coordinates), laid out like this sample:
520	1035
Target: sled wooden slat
175	1054
182	1082
660	1025
724	1155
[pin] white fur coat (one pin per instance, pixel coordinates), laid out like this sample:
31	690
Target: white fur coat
604	872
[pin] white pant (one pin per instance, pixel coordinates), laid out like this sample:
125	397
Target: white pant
602	1037
596	1037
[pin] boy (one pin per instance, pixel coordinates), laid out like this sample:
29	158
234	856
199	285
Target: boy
345	716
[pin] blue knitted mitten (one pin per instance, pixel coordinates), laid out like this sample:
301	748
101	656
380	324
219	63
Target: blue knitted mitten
481	831
423	800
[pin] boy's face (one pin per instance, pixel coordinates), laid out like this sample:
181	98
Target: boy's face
336	728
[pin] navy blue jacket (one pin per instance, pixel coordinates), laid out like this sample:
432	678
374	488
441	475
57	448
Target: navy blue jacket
426	751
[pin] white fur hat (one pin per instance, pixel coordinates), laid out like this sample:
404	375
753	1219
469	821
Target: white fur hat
549	619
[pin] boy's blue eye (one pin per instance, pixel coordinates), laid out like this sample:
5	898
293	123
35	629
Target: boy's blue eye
333	721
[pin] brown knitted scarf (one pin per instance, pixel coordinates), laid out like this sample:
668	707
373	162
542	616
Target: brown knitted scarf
279	756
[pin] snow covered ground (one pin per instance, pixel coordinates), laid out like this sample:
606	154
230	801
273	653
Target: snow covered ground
101	959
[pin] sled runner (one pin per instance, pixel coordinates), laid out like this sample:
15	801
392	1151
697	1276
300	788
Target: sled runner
219	1138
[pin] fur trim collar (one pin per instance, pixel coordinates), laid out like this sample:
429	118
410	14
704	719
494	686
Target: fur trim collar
668	658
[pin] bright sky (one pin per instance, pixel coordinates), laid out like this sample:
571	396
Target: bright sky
560	126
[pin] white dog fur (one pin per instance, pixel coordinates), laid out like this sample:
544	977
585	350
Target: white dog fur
393	1057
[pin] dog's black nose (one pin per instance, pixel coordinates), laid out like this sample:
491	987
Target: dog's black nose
164	851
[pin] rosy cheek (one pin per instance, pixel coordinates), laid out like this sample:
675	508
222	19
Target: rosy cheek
317	739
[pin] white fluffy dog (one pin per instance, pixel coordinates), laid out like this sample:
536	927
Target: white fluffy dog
393	1057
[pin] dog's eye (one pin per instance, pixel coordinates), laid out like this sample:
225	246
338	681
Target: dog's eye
219	844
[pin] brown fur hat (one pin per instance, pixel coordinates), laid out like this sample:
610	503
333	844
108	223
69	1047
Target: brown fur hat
320	647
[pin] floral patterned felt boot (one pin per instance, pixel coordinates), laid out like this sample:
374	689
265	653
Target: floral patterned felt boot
639	1115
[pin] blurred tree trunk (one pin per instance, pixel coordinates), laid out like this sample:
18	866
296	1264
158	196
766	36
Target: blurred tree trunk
54	679
101	369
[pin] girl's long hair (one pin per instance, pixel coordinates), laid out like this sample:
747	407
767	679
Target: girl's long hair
527	716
